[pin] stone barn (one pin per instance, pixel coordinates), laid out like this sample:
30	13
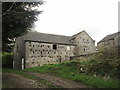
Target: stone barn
110	43
36	49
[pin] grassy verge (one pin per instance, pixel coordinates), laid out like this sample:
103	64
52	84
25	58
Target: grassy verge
24	74
69	70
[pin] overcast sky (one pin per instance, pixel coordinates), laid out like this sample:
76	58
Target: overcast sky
67	17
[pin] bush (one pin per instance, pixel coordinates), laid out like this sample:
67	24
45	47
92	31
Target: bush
101	65
7	60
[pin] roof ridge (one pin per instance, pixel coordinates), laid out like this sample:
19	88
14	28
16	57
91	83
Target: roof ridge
108	37
51	34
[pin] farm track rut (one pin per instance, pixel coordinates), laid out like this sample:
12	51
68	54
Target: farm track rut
17	81
58	81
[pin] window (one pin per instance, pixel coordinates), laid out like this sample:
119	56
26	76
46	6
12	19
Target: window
54	46
17	48
83	40
68	47
86	48
33	52
42	45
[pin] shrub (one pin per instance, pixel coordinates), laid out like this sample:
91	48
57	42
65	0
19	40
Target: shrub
101	65
7	60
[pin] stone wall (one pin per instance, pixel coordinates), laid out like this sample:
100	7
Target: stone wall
84	57
38	54
19	53
106	45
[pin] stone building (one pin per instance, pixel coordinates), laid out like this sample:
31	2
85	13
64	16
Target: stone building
109	43
37	49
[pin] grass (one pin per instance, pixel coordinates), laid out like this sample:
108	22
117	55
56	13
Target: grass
69	70
24	74
19	72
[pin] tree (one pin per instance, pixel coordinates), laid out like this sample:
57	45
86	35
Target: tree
17	19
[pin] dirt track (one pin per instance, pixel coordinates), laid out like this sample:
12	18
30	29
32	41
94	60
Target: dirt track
58	81
17	81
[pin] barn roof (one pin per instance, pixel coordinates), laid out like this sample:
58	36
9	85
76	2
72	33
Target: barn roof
50	38
109	37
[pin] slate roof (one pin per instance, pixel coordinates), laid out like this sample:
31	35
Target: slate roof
109	37
49	38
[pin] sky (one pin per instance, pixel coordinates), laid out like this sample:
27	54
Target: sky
68	17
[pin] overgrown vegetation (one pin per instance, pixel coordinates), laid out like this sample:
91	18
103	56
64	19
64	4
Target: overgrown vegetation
71	70
7	60
98	71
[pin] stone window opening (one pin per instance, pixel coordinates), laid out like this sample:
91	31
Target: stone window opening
17	48
33	52
83	40
86	48
55	47
33	45
68	47
42	45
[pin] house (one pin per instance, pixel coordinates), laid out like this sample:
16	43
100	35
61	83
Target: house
36	49
109	43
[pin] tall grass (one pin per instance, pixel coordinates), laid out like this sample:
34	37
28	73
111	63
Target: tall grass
70	70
